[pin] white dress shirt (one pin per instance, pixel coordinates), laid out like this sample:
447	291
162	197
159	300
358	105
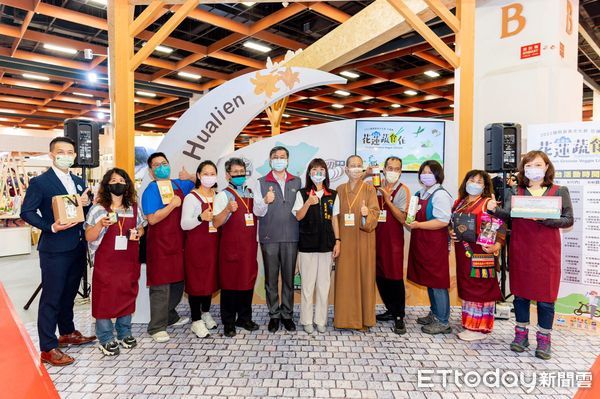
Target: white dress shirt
66	180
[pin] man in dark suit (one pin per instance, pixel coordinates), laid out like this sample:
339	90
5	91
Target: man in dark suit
62	250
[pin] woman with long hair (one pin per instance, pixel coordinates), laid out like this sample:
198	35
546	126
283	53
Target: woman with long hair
113	228
535	251
316	208
476	263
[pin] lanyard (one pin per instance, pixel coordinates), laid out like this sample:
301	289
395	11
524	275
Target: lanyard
350	205
209	200
465	205
241	199
381	196
120	222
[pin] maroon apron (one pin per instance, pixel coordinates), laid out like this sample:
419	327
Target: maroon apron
428	262
238	248
116	273
200	257
470	288
164	248
390	244
535	257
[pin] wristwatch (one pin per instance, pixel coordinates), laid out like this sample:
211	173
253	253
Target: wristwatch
200	218
338	239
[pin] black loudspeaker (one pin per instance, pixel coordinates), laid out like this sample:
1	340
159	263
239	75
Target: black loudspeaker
87	144
502	147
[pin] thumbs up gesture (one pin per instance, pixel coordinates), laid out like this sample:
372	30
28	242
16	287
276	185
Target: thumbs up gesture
185	175
313	199
492	204
85	198
363	209
270	197
233	206
207	215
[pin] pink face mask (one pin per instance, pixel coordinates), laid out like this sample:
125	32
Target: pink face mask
428	179
208	181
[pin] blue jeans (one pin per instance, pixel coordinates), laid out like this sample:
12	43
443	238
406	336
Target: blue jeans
440	303
545	312
104	329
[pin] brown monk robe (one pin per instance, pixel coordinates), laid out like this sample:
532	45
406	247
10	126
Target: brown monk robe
355	268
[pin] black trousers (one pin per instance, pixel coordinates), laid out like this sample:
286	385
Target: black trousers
392	293
236	303
61	275
199	305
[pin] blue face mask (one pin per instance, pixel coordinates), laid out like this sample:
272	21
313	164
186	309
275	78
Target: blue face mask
238	181
163	172
279	164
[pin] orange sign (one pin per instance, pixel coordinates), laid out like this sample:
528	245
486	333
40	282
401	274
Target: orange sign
531	50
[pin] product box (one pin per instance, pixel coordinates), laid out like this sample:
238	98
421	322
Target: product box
489	228
165	188
67	209
525	206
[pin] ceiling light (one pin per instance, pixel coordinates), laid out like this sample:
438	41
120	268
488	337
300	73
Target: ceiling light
100	115
257	46
172	118
148	125
432	74
101	2
384	115
71	100
395	105
410	93
451	105
189	75
92	77
35	77
4	120
248	3
349	74
285	115
342	93
60	49
25	84
338	106
288	123
8	111
145	94
76	93
32	125
56	111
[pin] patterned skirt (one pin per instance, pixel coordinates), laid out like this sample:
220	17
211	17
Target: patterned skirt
478	316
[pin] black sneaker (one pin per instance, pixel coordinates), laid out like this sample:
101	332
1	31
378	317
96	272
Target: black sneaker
399	327
273	325
247	325
229	330
128	342
289	324
110	348
386	316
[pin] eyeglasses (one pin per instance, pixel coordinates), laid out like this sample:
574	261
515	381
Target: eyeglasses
156	165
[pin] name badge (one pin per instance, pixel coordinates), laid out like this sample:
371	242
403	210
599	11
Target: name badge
382	216
211	227
120	243
349	219
249	219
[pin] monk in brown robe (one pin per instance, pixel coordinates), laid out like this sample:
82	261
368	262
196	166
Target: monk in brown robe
355	269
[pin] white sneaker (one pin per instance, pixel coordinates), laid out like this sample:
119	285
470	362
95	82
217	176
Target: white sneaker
181	322
468	335
199	328
309	328
321	329
209	321
161	336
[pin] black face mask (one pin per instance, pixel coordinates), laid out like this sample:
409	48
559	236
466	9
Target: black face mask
117	189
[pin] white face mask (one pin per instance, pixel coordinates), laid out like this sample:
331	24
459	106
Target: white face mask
208	181
318	178
355	173
392	177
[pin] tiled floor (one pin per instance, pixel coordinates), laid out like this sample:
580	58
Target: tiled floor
343	364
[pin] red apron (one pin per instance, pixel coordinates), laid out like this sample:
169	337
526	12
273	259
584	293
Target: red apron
238	248
200	258
116	273
535	258
470	288
428	262
164	248
390	244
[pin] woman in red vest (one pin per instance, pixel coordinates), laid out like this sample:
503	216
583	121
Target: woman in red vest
113	228
428	263
238	248
535	251
201	248
476	263
393	199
